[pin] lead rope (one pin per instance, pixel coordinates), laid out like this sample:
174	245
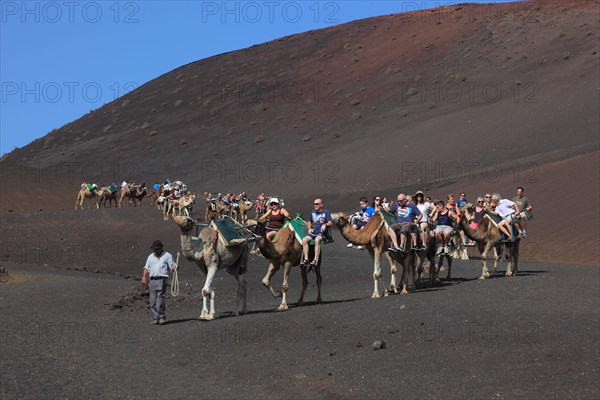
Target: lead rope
175	282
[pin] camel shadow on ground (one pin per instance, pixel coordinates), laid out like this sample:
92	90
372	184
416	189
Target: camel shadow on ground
230	314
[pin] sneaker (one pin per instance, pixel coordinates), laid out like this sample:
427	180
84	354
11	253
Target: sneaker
439	251
446	250
360	247
393	249
401	249
524	234
162	321
349	245
154	322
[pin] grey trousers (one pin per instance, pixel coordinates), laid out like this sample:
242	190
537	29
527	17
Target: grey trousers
157	289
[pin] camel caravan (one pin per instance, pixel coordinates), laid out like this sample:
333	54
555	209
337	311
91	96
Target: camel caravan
414	233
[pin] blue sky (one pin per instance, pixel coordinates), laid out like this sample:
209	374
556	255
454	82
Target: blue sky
61	59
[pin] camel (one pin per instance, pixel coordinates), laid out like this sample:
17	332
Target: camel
106	195
212	256
156	194
244	208
215	209
170	207
86	193
180	206
487	235
376	240
287	251
185	205
133	194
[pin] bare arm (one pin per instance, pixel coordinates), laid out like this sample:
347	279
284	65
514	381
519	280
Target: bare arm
265	215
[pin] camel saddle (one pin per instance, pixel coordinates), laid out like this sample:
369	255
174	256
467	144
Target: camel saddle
300	229
228	232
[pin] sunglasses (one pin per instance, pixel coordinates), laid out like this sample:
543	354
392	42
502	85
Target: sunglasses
488	197
377	199
317	204
480	201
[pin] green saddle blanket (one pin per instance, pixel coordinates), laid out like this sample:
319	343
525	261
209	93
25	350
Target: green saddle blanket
298	225
228	231
389	218
495	218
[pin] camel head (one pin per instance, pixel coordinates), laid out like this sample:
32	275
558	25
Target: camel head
259	227
468	209
185	223
342	220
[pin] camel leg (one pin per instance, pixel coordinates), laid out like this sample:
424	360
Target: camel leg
304	272
485	273
319	281
405	271
509	250
413	270
273	268
208	294
241	278
496	258
393	270
284	286
449	260
376	272
516	250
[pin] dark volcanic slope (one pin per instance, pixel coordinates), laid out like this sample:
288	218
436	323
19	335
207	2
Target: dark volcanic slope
463	84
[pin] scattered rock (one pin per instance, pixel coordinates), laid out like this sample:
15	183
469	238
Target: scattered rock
378	345
306	138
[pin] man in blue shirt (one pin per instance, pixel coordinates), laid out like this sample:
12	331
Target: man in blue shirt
157	268
462	200
320	219
405	213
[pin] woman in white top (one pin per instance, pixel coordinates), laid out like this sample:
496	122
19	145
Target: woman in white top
423	206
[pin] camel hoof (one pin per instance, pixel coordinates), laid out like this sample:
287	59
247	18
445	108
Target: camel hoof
375	296
482	277
319	300
404	291
300	303
244	311
508	273
393	289
282	307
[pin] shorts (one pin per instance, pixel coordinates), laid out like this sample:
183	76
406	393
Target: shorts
401	227
443	229
314	235
360	224
509	217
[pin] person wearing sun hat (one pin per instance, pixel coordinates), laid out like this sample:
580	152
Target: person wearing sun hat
157	267
277	216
